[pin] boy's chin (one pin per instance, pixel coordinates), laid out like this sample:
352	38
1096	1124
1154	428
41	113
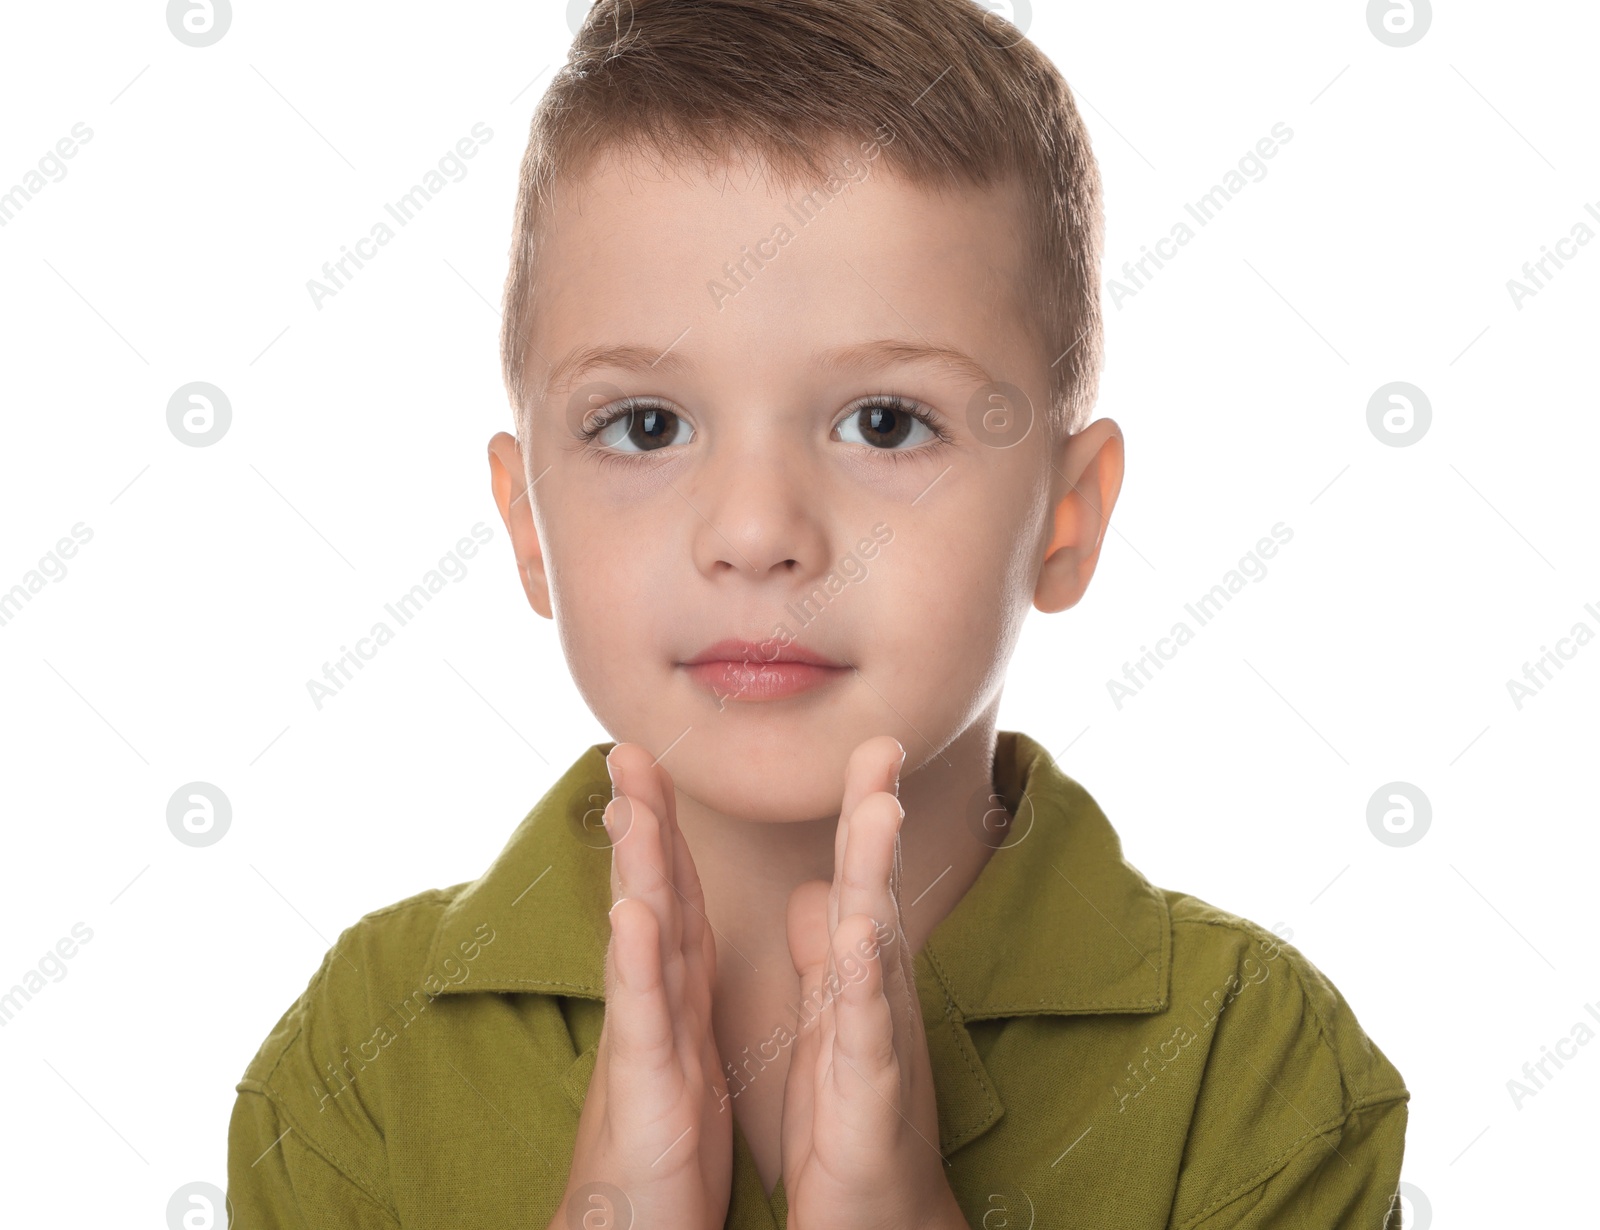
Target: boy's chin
768	779
789	799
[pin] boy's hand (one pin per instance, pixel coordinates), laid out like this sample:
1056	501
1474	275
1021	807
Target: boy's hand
860	1121
655	1142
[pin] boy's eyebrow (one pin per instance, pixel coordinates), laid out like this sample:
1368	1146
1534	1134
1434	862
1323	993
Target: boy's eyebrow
891	350
880	353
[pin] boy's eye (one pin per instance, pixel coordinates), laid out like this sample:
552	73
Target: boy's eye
889	424
886	423
639	429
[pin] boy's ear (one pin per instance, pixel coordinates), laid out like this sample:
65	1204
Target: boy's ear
1084	488
508	477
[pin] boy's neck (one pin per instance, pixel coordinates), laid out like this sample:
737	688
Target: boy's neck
748	869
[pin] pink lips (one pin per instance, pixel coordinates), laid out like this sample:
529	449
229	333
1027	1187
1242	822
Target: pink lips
744	670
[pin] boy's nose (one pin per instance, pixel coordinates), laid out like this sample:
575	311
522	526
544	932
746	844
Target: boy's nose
755	518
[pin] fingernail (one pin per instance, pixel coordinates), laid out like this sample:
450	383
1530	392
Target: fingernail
618	816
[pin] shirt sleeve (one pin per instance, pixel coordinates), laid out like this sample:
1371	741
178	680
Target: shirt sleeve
1343	1178
1299	1118
279	1179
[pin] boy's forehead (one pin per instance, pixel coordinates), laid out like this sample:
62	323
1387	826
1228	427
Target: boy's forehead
740	202
636	251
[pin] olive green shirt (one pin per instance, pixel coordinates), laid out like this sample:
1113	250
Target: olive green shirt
1105	1053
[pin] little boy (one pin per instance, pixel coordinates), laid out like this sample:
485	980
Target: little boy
802	333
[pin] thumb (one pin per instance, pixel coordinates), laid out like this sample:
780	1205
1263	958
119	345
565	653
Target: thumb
807	924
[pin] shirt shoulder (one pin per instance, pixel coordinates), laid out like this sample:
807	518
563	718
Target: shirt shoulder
1291	1081
303	1080
375	959
1209	942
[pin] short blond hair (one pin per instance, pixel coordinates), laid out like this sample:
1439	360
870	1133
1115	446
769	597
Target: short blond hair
968	101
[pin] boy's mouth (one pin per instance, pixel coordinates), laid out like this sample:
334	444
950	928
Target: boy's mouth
745	670
753	653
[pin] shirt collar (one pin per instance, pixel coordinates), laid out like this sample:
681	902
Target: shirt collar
1084	931
1056	922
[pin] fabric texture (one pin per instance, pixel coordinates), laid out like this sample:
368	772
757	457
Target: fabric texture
1104	1052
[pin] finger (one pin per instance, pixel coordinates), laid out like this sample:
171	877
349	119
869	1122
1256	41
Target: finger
873	766
647	779
637	873
869	884
697	940
638	1022
806	924
901	976
865	1051
692	992
635	834
634	775
698	949
865	882
634	772
807	930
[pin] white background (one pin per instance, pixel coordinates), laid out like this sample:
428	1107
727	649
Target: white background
219	580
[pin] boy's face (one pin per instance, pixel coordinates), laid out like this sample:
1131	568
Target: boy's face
765	490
